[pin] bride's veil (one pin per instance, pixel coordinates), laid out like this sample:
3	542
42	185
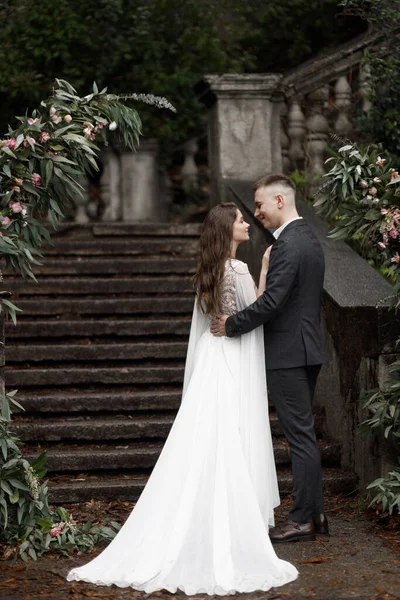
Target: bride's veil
200	324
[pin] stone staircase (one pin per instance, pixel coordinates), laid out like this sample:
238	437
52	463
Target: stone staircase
98	359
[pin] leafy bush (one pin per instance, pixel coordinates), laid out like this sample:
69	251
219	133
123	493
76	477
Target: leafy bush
388	492
362	194
27	523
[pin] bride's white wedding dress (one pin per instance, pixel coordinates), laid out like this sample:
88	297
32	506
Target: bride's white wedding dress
201	523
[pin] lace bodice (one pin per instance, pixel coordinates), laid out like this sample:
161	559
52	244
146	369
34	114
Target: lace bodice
228	290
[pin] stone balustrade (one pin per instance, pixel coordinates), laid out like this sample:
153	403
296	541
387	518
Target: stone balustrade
258	123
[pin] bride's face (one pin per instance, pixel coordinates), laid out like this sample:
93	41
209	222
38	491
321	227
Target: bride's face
240	231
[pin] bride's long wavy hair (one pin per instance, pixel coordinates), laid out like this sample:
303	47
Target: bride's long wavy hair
214	249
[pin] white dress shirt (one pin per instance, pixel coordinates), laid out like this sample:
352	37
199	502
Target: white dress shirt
278	231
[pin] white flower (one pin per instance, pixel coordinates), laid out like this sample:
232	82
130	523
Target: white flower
32	482
112	126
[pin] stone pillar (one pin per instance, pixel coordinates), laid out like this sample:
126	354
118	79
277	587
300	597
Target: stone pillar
111	186
140	183
244	127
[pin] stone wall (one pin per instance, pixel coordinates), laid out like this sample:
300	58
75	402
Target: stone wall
360	333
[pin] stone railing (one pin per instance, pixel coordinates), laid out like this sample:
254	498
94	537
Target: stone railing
131	186
258	123
261	123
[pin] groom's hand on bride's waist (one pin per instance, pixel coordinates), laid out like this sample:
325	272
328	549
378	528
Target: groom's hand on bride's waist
218	325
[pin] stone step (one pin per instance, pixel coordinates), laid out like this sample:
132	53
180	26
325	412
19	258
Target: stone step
132	426
125	400
147	229
109	486
94	352
141	456
96	328
101	286
50	403
107	306
19	378
111	266
125	247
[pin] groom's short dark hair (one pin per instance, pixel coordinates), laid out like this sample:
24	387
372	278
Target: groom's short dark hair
274	178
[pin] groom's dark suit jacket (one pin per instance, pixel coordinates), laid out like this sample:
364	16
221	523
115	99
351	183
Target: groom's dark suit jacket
290	306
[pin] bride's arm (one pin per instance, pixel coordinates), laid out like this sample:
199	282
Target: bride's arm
263	273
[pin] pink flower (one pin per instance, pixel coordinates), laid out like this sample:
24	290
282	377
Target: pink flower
16	207
11	143
395	175
18	181
16	188
385	237
52	111
55	531
363	184
384	211
88	131
5	221
56	119
29	141
68	118
395	258
380	161
381	245
36	179
44	136
33	121
372	191
393	233
1	235
377	180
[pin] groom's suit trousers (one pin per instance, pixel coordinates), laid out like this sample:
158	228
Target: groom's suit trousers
292	392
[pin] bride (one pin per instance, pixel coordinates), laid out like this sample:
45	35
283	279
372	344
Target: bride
201	523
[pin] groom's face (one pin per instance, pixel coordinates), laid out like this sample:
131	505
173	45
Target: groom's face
268	205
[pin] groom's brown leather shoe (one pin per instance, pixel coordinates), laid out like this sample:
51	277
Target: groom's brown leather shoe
321	524
293	532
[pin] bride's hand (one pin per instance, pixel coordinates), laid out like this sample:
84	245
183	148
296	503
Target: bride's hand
265	259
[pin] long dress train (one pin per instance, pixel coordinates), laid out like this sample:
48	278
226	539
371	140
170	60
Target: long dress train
201	523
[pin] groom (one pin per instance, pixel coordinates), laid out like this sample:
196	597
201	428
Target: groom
289	310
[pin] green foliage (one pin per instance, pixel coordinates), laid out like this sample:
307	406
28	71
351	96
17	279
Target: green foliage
164	46
382	123
362	194
384	406
27	522
387	490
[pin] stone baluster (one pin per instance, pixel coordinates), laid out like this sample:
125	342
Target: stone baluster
189	169
296	131
343	104
82	201
284	139
317	136
365	87
111	186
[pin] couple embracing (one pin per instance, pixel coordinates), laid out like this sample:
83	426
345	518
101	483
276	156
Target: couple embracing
205	520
